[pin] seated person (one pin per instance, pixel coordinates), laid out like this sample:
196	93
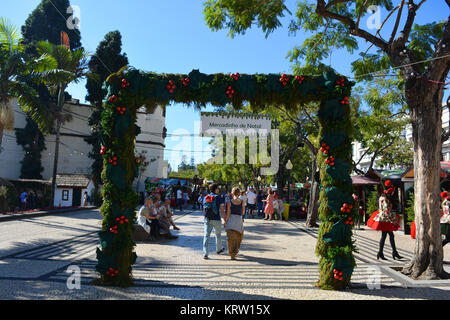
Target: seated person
148	219
170	214
164	221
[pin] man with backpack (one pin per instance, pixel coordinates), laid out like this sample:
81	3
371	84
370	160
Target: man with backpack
214	212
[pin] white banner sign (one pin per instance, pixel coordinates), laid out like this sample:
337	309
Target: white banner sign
233	123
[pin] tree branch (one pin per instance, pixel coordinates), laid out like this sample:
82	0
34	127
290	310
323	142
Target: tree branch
394	31
321	10
400	42
439	68
334	2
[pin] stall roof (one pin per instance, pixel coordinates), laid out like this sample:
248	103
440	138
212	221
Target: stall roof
445	172
171	182
363	180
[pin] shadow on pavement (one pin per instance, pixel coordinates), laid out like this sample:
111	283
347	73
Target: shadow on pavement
276	262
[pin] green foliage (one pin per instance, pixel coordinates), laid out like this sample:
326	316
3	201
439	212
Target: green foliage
11	66
106	60
409	209
372	202
380	129
96	197
238	15
33	143
47	21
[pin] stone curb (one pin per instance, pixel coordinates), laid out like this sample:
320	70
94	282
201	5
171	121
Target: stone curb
41	213
407	282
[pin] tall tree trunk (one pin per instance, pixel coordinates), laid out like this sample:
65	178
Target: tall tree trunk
425	103
313	205
55	160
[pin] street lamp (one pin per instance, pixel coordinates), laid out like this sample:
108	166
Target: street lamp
289	167
259	182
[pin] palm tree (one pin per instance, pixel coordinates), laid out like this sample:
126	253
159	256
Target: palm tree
56	68
11	66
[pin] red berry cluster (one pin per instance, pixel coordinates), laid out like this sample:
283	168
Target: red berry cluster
284	79
230	92
112	272
113	160
113	99
185	81
330	161
235	76
338	274
121	219
349	221
114	230
340	82
121	110
171	86
103	150
344	101
125	83
325	148
346	208
300	78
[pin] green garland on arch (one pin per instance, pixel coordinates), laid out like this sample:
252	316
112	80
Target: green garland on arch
129	89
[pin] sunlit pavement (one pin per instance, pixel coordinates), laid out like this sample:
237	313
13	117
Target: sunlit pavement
277	261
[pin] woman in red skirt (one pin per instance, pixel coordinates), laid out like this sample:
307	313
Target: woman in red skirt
385	220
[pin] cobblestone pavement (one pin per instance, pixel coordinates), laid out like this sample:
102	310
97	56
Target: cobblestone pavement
277	261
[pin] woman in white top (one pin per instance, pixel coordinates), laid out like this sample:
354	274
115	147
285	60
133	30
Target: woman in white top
148	219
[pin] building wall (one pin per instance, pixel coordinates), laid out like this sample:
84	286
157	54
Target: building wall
73	150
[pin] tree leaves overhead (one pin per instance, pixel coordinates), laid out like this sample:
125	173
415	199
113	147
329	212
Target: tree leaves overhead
239	15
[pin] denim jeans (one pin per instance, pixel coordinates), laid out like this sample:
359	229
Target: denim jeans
180	204
208	226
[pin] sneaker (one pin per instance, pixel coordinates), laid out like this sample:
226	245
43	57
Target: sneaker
205	257
220	251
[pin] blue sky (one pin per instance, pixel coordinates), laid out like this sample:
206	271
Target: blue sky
172	37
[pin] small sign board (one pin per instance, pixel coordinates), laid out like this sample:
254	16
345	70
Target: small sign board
234	123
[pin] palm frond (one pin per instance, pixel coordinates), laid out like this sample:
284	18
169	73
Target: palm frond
10	36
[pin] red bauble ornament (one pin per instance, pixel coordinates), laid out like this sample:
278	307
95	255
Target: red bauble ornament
125	83
171	86
235	76
230	92
299	78
103	150
113	99
340	82
185	81
345	100
284	80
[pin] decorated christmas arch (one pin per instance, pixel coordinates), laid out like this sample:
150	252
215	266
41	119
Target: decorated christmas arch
130	89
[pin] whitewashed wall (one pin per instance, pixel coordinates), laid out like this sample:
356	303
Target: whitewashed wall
73	151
